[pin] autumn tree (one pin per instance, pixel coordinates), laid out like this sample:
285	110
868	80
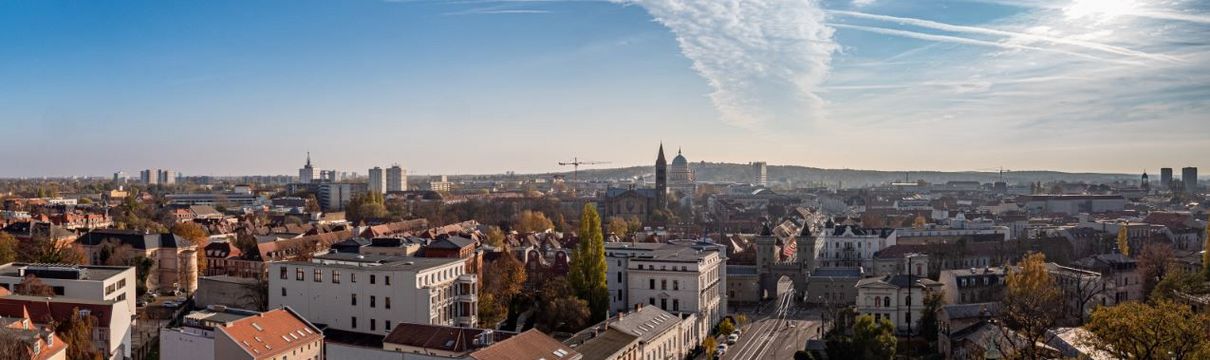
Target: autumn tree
77	333
1123	240
13	345
495	237
559	310
1178	281
587	273
503	280
1154	262
617	226
370	205
933	301
871	339
32	286
1162	330
726	327
1032	304
708	346
8	248
40	249
528	221
196	235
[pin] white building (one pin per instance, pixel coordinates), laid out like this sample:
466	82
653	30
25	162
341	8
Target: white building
647	333
899	297
96	283
369	293
397	178
222	333
676	277
306	174
378	181
1074	204
841	245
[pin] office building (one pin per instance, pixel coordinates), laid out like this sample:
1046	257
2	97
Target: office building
378	181
95	283
334	196
1189	178
760	173
149	176
166	177
680	278
370	293
1165	177
397	178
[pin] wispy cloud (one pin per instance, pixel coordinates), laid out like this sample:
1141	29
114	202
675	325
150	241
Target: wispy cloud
968	41
1009	34
496	11
764	58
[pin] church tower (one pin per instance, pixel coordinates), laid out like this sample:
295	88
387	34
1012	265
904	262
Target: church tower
661	180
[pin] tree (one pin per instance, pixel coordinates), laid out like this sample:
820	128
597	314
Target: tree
1123	240
1135	330
13	345
32	286
870	340
1177	281
741	319
933	301
197	236
491	312
529	221
247	245
726	327
560	311
8	248
617	226
495	237
587	273
1081	289
40	249
504	278
1154	262
1032	304
370	205
633	224
77	333
708	346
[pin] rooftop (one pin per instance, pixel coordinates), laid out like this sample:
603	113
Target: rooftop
86	272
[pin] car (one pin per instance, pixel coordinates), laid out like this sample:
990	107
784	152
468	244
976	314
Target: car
791	325
737	332
731	339
171	304
722	347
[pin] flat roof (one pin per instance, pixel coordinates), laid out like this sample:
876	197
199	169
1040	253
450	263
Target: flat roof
93	273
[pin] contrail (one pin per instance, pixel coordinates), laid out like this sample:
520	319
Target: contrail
968	41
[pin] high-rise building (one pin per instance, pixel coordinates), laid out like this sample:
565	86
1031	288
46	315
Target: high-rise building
307	173
1165	177
397	178
165	177
760	173
150	176
1189	178
119	176
378	181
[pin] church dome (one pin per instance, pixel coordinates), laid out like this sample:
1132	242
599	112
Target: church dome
679	160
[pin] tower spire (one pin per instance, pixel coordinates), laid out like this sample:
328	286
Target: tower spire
308	159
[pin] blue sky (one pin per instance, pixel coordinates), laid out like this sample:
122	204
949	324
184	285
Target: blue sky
247	87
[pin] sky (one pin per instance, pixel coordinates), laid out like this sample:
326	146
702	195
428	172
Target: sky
232	87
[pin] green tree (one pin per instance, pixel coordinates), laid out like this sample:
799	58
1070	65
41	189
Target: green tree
491	312
726	327
871	340
558	310
1135	330
8	248
587	273
933	301
1192	283
1032	304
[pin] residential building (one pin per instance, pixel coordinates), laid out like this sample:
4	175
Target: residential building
39	342
953	322
334	196
397	179
850	245
378	181
370	293
974	285
112	330
1120	274
646	333
224	333
678	277
1189	178
760	173
437	340
149	177
531	344
174	259
96	283
1165	178
1083	290
899	297
440	184
166	177
833	286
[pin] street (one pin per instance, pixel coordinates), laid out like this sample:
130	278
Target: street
777	336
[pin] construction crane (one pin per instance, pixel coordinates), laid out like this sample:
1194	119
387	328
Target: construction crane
1001	170
575	165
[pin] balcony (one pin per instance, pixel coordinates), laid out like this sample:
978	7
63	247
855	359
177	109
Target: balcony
467	279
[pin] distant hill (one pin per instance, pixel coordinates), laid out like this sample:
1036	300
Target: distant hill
805	176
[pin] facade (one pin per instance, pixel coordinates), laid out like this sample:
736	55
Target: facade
97	283
760	173
842	245
40	343
223	333
334	196
1074	204
680	278
1189	178
111	334
899	298
680	179
972	285
1083	290
149	176
646	333
378	181
1165	178
166	177
174	259
229	291
1120	274
397	178
369	293
833	286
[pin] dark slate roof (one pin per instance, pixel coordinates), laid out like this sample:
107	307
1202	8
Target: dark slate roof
136	239
452	242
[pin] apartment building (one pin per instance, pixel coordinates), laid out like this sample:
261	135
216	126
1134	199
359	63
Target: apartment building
677	277
370	293
96	283
223	333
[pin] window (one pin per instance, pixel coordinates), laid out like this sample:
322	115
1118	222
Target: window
335	277
907	300
318	275
298	274
283	272
283	291
663	284
371	279
651	301
619	277
676	284
387	304
387	325
354	298
354	322
373	302
676	305
651	284
663	304
886	302
353	277
388	280
373	324
619	294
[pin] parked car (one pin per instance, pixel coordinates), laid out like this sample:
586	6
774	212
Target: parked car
731	339
171	304
737	332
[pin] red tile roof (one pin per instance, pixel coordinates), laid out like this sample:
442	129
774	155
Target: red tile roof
529	345
271	333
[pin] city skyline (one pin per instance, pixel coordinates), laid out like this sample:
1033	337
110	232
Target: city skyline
233	88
